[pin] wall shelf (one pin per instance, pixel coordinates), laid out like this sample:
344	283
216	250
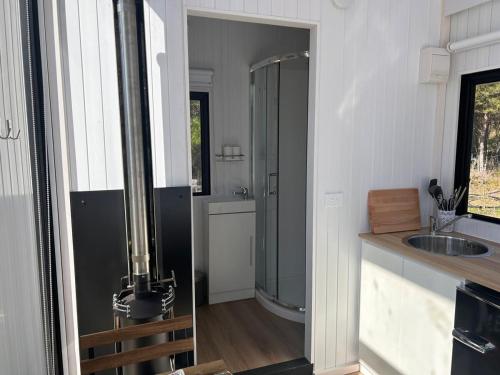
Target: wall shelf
219	157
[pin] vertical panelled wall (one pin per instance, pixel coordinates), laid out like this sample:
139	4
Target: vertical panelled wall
376	125
92	90
93	116
375	128
21	330
475	21
91	86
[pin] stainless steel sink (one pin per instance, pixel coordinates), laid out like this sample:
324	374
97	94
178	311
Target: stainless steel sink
447	245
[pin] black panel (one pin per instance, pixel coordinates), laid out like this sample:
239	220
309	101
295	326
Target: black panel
99	241
173	236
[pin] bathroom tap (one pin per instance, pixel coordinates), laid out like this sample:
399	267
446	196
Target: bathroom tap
434	228
243	192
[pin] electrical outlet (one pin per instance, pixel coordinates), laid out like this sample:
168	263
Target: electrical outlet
334	200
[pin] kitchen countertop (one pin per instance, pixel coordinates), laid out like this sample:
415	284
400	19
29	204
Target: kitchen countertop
484	271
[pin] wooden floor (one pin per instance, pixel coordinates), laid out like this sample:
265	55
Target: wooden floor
246	336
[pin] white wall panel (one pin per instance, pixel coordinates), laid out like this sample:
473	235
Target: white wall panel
91	72
177	86
92	89
251	6
265	7
109	94
376	131
91	85
21	335
156	44
475	21
77	126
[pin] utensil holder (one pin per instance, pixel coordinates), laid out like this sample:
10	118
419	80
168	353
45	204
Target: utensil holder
444	217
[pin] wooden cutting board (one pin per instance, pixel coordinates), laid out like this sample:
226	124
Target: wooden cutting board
393	210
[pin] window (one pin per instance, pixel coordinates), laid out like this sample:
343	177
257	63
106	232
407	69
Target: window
200	147
478	145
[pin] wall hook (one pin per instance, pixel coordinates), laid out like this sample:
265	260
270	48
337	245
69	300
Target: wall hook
8	131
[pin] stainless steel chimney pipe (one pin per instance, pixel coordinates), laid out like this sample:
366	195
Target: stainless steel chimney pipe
133	137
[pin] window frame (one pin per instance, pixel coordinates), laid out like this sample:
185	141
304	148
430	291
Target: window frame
465	132
203	97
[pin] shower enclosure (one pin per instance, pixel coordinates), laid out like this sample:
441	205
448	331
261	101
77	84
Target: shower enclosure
279	95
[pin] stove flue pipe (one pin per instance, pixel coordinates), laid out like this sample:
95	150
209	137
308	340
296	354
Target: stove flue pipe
135	131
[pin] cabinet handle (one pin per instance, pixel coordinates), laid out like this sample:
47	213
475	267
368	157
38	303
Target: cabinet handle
251	251
473	341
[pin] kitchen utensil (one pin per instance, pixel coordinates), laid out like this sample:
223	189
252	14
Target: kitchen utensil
459	199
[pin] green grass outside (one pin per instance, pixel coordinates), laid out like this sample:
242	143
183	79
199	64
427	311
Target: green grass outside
484	193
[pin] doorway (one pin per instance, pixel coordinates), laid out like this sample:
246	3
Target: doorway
250	229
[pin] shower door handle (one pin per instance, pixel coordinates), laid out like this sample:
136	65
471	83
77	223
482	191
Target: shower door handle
275	190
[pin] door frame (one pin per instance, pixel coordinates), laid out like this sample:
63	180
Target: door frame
312	154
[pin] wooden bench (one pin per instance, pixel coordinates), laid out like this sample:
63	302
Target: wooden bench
143	354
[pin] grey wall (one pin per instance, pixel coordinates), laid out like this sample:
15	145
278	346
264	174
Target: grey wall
229	49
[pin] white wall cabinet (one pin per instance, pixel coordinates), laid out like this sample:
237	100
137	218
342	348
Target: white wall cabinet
406	315
231	273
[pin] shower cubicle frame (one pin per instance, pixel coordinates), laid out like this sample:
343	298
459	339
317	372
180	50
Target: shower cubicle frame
295	312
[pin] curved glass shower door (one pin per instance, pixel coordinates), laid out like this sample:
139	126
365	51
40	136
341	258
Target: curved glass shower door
265	168
279	135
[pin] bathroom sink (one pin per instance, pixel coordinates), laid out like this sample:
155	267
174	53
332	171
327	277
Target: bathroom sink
228	205
447	245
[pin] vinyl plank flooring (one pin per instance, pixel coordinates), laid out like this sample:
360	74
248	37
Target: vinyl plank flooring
246	336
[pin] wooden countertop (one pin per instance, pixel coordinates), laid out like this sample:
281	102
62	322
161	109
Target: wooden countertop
484	271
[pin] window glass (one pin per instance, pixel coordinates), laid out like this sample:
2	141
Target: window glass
200	148
197	179
484	183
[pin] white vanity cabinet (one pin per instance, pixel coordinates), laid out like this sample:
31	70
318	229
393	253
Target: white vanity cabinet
231	260
407	312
